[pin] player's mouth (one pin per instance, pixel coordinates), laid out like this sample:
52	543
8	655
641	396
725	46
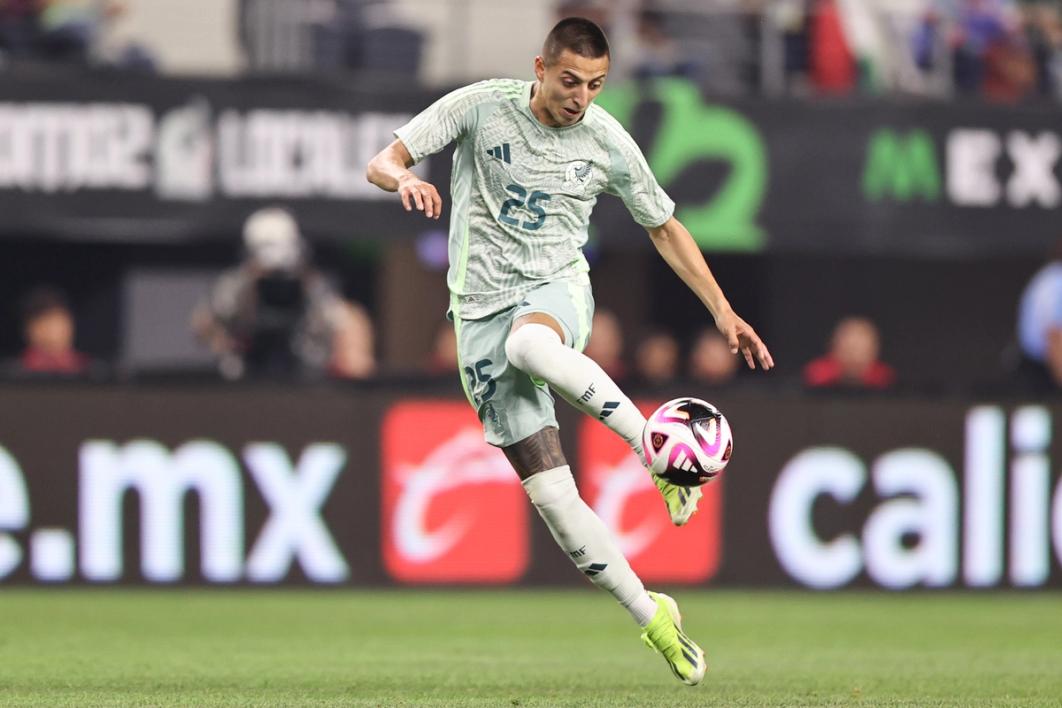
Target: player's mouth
571	112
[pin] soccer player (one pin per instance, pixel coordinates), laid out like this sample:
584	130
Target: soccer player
531	159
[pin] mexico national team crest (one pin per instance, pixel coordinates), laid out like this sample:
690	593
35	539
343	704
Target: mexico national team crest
578	175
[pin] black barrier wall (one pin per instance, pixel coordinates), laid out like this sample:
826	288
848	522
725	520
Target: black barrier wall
160	485
149	160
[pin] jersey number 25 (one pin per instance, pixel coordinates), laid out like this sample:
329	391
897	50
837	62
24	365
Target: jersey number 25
531	203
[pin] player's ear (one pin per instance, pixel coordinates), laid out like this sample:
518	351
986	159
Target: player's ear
540	68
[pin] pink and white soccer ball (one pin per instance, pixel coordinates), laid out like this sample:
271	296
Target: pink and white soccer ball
687	441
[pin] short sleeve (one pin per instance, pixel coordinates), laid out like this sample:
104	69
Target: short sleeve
632	181
448	119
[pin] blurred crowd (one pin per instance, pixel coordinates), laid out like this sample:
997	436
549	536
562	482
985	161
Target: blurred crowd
68	32
998	49
277	314
267	323
274	315
657	358
328	36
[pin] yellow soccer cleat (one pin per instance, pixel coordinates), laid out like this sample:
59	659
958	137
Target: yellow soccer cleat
664	635
681	501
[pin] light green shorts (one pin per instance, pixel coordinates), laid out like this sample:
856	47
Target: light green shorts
511	405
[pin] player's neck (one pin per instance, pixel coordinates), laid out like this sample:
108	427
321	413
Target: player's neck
538	108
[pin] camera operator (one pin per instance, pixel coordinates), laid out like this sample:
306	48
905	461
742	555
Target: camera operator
274	314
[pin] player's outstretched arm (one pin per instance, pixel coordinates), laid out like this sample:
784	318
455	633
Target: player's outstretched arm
680	251
389	171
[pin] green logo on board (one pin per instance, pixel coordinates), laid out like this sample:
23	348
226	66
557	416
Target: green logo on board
901	167
692	131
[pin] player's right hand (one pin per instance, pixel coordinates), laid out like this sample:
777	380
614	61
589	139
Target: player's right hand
415	192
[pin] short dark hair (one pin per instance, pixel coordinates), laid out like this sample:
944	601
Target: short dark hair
40	300
578	35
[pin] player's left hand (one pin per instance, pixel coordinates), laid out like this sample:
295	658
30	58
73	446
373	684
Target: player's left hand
742	337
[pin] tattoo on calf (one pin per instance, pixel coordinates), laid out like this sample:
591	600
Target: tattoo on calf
536	453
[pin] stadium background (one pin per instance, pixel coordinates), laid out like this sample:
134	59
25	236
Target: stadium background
926	214
925	210
167	534
923	213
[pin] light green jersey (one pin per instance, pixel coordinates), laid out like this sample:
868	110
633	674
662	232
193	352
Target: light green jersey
522	192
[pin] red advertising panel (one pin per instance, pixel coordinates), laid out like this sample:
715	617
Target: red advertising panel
453	508
614	483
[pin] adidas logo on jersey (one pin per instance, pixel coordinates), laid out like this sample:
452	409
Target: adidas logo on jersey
501	152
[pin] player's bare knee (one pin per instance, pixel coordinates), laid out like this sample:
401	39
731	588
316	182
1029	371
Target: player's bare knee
536	453
540	318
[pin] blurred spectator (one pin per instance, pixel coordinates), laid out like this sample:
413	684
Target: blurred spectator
730	45
18	27
1040	327
353	343
1043	30
606	344
69	29
714	43
328	35
66	32
991	54
274	313
1010	69
280	35
931	49
656	358
830	62
711	360
790	18
48	330
442	359
852	360
657	53
882	36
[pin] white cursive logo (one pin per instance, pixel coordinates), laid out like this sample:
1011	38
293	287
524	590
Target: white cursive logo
618	484
462	460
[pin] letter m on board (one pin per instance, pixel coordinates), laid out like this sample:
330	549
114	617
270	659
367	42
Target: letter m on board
901	167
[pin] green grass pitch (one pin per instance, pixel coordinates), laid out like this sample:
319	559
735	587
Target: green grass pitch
104	647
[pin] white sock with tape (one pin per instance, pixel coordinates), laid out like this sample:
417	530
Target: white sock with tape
586	540
537	350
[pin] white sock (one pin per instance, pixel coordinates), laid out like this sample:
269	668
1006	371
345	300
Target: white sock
586	540
537	350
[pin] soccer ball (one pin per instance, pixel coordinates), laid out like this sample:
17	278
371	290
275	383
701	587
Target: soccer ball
687	441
